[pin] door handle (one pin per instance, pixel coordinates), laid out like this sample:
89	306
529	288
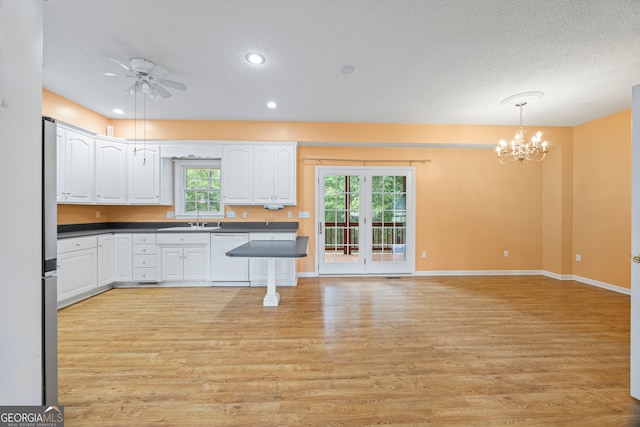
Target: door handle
636	259
319	228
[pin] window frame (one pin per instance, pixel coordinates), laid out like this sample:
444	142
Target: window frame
180	167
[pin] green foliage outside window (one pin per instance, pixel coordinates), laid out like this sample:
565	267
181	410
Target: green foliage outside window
202	190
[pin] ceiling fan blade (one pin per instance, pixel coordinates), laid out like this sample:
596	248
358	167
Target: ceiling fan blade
157	71
126	67
173	85
160	90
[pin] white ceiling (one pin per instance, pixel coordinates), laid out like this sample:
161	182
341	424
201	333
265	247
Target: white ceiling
417	61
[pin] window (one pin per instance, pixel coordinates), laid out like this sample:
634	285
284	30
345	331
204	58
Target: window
197	189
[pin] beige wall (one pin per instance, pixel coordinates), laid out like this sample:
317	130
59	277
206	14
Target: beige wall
469	208
69	112
602	199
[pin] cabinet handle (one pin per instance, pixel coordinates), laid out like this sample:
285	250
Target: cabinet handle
77	244
144	262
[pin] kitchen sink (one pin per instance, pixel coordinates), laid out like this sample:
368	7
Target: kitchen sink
189	228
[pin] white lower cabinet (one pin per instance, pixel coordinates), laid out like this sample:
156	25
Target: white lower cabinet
144	257
184	256
77	267
123	257
182	263
285	268
106	253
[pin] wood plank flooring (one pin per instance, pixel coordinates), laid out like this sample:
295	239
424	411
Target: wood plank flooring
445	351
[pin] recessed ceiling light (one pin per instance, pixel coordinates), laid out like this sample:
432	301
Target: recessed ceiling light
347	69
272	104
255	58
118	111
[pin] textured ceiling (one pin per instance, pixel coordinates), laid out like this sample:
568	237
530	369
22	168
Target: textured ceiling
416	61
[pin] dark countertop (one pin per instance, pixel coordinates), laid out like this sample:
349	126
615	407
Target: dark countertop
80	230
272	249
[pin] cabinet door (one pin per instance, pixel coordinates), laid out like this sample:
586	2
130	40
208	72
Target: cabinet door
263	189
237	175
284	174
111	172
123	257
77	273
78	168
106	262
61	164
143	175
171	263
194	263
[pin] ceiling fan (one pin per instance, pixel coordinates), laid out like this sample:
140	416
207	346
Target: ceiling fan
149	78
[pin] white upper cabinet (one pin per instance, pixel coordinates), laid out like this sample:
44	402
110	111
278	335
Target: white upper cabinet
236	175
259	174
284	175
143	177
75	167
111	172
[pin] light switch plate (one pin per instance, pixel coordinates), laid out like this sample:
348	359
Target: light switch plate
231	214
304	214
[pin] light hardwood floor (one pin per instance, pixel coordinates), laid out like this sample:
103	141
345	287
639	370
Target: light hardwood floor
446	351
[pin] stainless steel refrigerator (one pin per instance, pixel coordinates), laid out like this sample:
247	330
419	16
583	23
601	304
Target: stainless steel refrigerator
49	264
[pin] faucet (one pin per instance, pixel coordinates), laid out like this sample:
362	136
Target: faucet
267	219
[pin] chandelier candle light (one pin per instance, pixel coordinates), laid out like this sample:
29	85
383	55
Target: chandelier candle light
519	149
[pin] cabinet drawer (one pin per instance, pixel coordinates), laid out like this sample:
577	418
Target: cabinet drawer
77	244
143	274
144	249
144	238
144	261
272	236
183	238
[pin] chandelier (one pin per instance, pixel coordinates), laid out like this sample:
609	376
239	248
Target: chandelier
519	149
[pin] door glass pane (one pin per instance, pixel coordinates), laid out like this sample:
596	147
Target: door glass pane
341	218
388	207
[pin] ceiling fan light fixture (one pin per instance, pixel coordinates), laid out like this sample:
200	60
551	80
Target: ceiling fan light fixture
255	58
272	105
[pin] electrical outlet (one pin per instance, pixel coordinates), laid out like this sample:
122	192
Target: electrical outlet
245	214
98	214
578	257
506	254
424	254
171	214
289	215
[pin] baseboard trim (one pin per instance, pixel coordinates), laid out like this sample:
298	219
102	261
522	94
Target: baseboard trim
602	285
479	273
550	274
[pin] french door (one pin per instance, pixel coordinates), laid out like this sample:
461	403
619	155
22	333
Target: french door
365	220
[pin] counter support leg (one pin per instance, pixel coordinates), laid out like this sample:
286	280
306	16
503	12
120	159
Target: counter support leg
272	299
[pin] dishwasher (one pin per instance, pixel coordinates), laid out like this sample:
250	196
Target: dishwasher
228	271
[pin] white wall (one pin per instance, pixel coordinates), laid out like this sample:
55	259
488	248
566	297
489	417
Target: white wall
20	229
635	244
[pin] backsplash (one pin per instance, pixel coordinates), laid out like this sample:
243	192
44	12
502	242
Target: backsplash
87	214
